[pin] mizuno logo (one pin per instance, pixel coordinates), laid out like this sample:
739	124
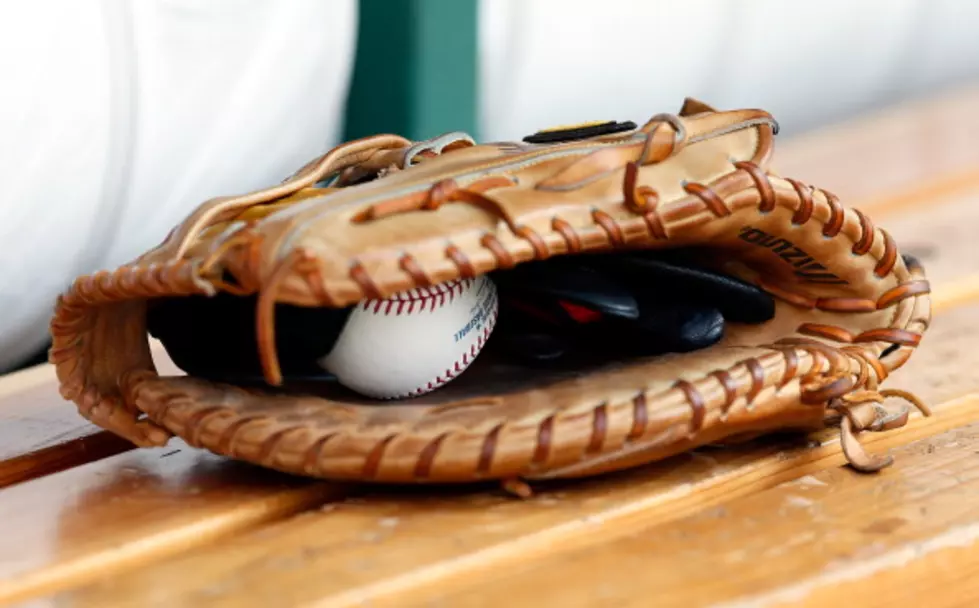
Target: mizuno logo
806	268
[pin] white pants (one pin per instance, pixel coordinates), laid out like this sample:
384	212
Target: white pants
547	62
119	116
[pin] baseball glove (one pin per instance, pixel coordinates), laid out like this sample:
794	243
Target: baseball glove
661	288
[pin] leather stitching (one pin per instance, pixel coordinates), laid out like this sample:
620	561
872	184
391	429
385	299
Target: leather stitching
134	281
426	457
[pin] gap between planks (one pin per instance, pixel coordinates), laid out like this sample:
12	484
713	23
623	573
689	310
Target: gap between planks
905	566
382	545
123	511
798	541
42	434
324	557
948	561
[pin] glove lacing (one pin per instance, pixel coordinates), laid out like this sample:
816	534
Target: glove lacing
858	402
860	406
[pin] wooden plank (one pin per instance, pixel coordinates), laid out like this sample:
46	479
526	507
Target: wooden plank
125	510
38	434
926	570
894	158
392	547
41	433
84	444
944	366
802	539
942	237
386	544
22	403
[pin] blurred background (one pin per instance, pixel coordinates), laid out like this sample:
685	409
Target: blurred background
118	117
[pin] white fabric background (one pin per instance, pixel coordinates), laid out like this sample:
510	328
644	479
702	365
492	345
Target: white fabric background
548	62
117	117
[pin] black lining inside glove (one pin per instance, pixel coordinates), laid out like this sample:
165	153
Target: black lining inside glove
554	313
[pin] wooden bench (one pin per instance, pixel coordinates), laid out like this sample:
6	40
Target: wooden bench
89	521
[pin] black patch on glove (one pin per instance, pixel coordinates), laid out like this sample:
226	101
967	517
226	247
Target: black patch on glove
619	305
576	132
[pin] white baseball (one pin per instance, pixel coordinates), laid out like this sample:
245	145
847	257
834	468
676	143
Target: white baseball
415	341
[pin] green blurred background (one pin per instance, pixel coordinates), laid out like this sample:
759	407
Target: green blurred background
414	72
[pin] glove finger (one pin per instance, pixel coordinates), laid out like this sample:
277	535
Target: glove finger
531	348
575	283
661	273
664	328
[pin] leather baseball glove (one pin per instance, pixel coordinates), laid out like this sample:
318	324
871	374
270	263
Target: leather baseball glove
661	288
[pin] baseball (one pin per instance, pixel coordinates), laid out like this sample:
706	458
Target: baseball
415	341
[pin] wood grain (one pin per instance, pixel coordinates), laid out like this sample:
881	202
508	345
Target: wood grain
125	510
385	544
28	420
80	445
942	236
940	571
41	433
946	367
893	158
776	547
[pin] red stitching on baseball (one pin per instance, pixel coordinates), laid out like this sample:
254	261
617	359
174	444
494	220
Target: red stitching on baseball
460	365
433	297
